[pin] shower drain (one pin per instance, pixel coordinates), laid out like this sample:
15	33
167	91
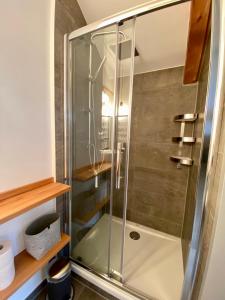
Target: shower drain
134	235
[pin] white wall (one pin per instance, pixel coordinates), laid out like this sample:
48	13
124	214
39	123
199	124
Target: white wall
26	108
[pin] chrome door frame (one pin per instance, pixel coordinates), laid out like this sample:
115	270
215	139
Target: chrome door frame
113	133
68	130
137	11
127	159
214	100
214	96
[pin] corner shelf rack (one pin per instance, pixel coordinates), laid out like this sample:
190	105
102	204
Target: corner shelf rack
189	118
19	200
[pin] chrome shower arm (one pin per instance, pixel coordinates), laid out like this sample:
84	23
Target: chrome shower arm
93	78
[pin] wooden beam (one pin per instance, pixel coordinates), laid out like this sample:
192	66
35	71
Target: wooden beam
198	28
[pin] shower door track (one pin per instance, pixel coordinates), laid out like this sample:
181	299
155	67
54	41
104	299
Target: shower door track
213	102
77	267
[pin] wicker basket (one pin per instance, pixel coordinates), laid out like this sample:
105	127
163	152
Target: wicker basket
42	234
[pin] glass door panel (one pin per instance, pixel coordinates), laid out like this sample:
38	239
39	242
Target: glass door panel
93	85
102	73
124	84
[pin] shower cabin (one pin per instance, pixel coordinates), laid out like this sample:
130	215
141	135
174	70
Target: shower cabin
134	139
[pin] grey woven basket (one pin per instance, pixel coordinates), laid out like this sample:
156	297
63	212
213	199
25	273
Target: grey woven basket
42	234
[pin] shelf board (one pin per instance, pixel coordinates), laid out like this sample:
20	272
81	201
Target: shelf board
184	139
185	161
87	172
26	266
84	218
186	117
19	200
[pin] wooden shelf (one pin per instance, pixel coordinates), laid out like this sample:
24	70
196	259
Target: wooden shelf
26	266
84	218
87	172
22	199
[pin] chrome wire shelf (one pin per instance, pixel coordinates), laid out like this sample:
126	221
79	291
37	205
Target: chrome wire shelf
184	139
185	161
186	118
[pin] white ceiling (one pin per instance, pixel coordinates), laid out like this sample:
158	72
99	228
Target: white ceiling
93	10
161	37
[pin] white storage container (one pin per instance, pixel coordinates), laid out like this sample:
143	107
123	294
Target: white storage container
42	234
7	268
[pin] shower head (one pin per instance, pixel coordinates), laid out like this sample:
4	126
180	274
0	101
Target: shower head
126	43
94	35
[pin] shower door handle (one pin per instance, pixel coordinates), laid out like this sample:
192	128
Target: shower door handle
120	150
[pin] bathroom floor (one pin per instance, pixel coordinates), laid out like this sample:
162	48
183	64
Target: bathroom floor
82	292
152	262
85	293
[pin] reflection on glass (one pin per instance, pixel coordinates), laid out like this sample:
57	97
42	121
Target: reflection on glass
93	78
100	126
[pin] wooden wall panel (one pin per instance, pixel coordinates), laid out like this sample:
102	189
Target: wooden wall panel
198	29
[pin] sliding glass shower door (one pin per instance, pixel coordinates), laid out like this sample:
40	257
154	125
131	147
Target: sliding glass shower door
99	113
123	87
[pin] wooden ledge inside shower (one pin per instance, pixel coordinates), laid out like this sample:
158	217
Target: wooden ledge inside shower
26	266
80	217
85	173
19	200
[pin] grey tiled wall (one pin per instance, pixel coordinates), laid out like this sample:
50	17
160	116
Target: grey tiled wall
157	189
68	17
